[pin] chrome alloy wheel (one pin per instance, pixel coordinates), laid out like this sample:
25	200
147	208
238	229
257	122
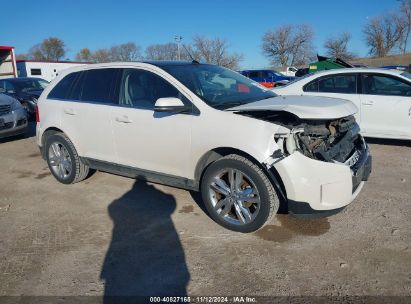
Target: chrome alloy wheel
234	196
60	160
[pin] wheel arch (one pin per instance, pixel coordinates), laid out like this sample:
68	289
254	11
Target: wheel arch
46	134
211	156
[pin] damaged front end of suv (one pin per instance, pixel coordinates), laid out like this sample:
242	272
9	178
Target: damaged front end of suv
322	159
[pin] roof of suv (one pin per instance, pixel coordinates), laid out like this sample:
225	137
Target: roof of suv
161	63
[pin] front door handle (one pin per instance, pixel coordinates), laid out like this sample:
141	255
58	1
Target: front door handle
70	111
409	111
368	103
123	119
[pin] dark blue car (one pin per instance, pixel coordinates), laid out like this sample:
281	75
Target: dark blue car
25	89
268	78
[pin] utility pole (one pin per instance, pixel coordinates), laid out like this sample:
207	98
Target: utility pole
178	39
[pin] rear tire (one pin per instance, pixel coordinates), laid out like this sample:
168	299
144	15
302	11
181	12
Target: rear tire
238	194
63	161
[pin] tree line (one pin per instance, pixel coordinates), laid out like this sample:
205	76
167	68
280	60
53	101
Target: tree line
209	50
383	35
286	45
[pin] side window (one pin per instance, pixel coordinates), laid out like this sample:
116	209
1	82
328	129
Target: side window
6	86
311	87
97	85
340	83
253	74
385	85
62	89
9	86
35	72
346	84
326	84
77	87
265	74
141	89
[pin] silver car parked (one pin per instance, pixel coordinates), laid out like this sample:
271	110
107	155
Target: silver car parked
13	117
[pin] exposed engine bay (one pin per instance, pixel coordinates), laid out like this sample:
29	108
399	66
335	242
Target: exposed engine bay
335	140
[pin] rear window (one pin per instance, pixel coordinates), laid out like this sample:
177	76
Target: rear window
62	89
97	85
340	83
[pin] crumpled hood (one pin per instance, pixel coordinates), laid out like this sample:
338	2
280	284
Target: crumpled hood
305	107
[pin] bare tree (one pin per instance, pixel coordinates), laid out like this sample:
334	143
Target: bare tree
125	52
101	55
338	46
289	45
383	34
215	51
51	48
167	51
405	17
84	55
22	57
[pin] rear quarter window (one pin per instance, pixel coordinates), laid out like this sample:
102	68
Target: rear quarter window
311	87
62	89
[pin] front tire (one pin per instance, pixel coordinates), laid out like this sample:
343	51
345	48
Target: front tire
63	160
238	194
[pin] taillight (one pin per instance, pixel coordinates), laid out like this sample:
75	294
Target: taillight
37	114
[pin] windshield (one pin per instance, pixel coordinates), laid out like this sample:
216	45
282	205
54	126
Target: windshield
406	74
31	85
219	87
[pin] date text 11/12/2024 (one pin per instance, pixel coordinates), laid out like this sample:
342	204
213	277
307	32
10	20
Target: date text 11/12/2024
203	299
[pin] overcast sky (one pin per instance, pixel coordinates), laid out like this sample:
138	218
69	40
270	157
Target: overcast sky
99	24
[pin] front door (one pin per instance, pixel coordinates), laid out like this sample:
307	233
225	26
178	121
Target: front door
385	106
145	139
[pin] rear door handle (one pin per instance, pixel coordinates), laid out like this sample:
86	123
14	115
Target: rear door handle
123	119
368	103
69	111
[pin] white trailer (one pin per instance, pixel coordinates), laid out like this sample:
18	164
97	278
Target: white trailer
46	70
7	62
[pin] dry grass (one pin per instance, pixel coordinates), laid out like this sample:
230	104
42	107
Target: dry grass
404	59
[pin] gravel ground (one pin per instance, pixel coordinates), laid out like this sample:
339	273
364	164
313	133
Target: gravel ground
113	235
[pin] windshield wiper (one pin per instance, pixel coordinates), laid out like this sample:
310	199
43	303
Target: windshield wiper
226	105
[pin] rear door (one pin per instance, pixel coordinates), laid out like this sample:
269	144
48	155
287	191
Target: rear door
385	106
65	112
95	96
83	101
341	85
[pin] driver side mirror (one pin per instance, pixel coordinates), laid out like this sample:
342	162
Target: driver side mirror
170	105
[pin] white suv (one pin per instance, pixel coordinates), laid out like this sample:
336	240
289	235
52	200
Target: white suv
204	127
